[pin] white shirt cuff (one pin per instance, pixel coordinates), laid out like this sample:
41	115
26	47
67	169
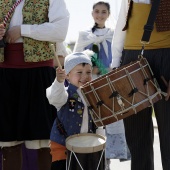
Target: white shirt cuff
25	30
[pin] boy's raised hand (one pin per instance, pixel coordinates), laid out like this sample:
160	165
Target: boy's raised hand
60	75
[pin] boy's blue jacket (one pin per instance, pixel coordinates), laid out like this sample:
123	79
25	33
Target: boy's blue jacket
71	116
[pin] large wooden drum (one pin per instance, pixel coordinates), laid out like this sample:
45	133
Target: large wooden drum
121	92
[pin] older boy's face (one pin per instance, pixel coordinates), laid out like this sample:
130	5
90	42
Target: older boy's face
80	75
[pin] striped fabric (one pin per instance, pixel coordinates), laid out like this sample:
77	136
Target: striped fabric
10	12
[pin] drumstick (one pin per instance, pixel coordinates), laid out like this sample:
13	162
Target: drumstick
165	82
58	61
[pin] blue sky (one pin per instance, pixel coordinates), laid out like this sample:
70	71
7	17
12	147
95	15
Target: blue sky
80	16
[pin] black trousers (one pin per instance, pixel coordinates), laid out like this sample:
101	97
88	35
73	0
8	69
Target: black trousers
139	128
58	165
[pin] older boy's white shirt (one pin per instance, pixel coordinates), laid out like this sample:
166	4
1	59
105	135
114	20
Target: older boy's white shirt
62	49
119	35
117	48
54	31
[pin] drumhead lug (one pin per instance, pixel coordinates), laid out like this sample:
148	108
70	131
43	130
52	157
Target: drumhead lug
90	107
99	103
146	80
114	94
135	90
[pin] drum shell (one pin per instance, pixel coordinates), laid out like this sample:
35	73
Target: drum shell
88	161
122	81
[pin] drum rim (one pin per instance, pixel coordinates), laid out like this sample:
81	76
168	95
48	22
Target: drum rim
85	149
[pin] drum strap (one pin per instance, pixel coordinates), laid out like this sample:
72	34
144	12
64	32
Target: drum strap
60	127
148	28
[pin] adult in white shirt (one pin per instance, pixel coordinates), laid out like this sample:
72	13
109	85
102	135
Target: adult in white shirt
26	70
126	47
99	39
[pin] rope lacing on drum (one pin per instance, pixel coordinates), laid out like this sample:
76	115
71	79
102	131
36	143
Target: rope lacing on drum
99	104
133	91
156	85
134	88
72	153
148	79
76	159
90	107
146	82
116	95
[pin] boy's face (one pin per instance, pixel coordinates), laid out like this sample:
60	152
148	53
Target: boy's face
80	74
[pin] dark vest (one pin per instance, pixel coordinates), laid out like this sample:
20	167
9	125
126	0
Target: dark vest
163	16
71	116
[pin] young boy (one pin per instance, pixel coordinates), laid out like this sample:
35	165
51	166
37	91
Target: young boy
71	109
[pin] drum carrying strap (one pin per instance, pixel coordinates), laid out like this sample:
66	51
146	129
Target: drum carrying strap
148	28
60	127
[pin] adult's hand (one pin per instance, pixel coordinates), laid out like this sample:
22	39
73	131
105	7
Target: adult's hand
167	84
13	34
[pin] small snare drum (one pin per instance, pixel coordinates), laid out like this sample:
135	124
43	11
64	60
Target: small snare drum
86	152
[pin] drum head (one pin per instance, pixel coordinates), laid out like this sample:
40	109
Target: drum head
85	143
